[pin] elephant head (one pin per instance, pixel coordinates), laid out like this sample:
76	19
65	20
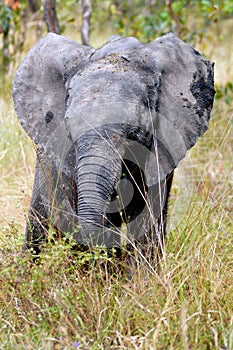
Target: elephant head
110	123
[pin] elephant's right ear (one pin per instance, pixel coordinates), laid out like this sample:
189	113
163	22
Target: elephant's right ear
181	98
39	87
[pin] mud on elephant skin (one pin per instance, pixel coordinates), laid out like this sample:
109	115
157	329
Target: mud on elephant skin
110	126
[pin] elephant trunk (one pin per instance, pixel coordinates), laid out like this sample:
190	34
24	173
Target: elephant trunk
99	164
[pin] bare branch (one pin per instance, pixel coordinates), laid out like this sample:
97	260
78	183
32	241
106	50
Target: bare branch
86	18
50	16
174	17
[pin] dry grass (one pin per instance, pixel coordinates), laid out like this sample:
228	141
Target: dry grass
188	304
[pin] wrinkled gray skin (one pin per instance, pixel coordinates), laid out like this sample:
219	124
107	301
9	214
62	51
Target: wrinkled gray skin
110	126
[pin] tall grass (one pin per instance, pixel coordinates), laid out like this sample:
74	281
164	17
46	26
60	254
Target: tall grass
59	303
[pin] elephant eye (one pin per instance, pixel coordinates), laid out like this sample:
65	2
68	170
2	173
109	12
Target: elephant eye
49	116
141	136
133	133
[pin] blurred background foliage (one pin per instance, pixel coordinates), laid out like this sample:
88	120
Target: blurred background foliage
203	24
187	18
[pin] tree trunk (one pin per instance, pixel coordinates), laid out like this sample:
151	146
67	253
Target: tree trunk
34	5
6	54
86	18
36	17
50	16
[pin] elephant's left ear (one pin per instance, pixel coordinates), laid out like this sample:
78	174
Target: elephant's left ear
184	97
39	87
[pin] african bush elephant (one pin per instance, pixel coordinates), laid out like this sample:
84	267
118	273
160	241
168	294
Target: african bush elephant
110	126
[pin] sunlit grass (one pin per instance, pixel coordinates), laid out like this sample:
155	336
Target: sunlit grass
16	166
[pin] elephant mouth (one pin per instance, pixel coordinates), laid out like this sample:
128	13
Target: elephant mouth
129	197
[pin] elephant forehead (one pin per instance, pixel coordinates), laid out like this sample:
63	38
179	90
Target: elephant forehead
111	95
81	118
112	83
